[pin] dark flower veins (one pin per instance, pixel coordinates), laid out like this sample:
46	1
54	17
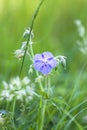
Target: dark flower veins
44	62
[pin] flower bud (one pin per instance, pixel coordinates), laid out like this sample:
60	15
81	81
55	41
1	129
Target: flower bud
27	32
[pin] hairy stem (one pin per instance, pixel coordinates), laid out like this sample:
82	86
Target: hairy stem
49	85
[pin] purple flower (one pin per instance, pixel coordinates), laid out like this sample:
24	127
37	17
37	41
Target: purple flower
44	62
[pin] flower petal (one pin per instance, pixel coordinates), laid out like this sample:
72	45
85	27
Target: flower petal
52	62
44	62
47	55
45	69
38	65
38	57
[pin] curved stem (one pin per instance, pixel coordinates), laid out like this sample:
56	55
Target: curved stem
29	39
29	36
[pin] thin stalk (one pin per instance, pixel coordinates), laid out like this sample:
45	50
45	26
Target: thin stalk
40	83
44	102
29	36
42	115
49	85
32	54
73	118
13	110
29	39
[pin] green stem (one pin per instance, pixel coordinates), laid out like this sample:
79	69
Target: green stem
31	27
31	47
40	83
13	111
32	54
44	102
49	85
42	115
31	50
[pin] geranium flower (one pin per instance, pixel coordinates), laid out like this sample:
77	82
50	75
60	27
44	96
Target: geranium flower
44	62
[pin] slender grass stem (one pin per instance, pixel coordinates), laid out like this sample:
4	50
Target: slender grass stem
31	27
30	45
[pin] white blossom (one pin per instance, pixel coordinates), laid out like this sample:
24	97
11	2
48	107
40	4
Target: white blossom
30	71
26	33
80	28
23	46
17	88
40	77
82	44
6	95
5	84
26	80
78	22
20	94
61	60
19	53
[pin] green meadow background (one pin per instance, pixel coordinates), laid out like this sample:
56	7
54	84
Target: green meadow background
54	31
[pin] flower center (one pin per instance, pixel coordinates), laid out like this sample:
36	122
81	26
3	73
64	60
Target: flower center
45	61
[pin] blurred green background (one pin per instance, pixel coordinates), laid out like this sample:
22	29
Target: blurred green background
54	31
